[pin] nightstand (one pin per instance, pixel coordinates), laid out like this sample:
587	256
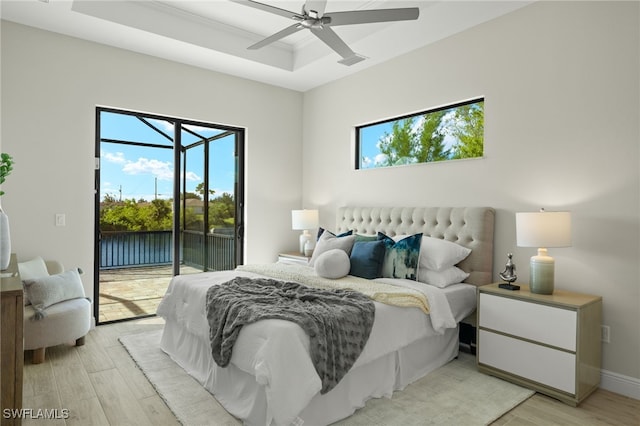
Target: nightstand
548	343
293	257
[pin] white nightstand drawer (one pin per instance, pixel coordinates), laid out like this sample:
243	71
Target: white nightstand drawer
533	321
541	364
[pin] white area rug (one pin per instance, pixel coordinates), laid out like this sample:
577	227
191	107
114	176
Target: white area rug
455	394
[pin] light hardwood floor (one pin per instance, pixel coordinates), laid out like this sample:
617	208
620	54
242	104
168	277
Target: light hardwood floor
100	385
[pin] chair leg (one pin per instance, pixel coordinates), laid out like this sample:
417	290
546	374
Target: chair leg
38	356
80	341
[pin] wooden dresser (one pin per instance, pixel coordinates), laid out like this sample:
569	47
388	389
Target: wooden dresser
11	342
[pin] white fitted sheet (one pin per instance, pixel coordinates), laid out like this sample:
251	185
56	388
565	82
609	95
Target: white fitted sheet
271	380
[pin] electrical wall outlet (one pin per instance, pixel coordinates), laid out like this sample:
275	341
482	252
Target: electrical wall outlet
606	333
61	219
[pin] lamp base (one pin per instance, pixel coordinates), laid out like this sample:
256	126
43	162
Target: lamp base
541	273
304	237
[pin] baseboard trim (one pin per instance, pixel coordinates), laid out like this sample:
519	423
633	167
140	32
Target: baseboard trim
618	383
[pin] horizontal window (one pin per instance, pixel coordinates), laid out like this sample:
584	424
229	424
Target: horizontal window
451	132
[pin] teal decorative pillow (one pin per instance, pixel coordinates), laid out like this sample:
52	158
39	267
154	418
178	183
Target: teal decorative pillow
401	257
366	259
366	237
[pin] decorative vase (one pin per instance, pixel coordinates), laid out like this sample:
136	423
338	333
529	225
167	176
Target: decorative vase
5	240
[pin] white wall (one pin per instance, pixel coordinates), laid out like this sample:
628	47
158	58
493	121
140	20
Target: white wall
51	85
561	88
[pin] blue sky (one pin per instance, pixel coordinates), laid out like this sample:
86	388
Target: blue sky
132	171
369	137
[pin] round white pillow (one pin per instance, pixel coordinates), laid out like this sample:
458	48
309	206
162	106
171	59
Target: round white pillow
333	264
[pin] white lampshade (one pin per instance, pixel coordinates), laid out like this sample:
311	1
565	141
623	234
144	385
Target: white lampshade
543	229
304	219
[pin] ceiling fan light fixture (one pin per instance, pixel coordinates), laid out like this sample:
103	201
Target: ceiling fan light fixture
314	19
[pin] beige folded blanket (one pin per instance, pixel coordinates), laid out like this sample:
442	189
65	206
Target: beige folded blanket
378	291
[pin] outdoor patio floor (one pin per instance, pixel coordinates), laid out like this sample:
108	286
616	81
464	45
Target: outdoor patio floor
133	292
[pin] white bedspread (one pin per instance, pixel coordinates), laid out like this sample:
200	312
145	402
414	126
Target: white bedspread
276	352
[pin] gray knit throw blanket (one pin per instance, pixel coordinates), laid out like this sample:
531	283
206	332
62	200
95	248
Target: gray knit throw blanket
338	322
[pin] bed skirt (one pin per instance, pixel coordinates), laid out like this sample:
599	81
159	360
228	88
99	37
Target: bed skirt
243	397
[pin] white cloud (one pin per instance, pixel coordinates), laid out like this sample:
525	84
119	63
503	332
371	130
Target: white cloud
163	170
380	159
163	125
193	177
117	157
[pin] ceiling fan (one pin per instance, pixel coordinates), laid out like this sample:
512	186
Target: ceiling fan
319	23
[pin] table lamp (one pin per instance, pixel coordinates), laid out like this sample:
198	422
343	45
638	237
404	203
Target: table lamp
543	229
304	220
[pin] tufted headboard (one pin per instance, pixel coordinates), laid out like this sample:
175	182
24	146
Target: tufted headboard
471	227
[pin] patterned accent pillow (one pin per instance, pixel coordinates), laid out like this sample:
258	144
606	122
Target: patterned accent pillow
401	257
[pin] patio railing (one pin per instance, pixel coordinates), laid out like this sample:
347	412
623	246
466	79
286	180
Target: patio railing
218	255
127	249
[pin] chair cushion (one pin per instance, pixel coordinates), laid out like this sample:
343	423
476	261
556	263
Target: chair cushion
65	322
46	291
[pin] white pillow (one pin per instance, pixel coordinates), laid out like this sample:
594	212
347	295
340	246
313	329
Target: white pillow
442	279
46	291
438	254
32	269
328	241
333	264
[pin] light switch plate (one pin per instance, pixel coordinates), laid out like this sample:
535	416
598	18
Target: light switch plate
61	219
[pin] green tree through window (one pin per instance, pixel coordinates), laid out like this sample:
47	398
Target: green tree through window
449	133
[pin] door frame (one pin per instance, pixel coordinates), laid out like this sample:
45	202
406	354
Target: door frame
239	190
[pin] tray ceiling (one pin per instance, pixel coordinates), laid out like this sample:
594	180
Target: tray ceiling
215	34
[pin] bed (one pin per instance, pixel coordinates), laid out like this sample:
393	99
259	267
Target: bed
270	379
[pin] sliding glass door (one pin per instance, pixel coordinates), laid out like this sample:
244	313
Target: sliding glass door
169	197
207	199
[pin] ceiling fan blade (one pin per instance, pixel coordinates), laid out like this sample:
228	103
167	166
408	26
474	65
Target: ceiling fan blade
369	16
277	36
315	6
270	9
331	39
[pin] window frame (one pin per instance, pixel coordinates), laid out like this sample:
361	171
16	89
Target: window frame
358	128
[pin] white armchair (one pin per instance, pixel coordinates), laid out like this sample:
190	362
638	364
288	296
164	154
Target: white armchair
67	321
